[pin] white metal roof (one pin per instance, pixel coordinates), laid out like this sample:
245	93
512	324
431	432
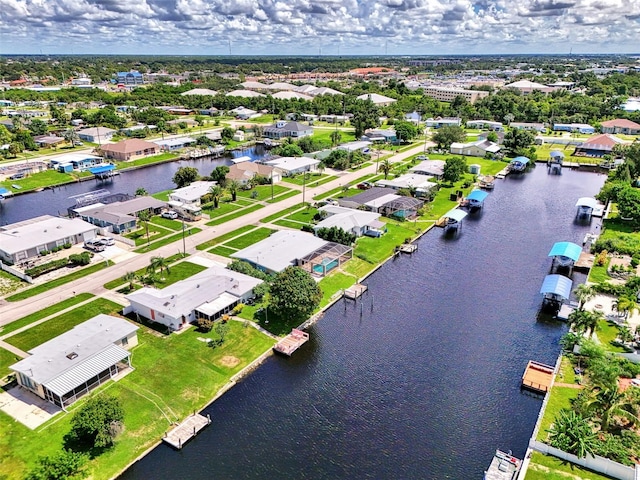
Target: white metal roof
345	218
192	192
293	163
223	301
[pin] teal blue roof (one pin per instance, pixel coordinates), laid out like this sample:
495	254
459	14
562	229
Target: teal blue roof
566	249
477	195
523	160
102	169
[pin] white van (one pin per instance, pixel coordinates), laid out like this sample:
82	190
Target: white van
170	214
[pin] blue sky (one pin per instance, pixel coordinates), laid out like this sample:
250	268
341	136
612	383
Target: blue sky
328	27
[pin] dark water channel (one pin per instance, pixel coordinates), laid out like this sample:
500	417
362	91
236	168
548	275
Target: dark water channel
154	178
425	382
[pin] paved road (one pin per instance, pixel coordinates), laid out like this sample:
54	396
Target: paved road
10	311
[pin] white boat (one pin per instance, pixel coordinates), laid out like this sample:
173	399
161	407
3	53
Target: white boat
504	466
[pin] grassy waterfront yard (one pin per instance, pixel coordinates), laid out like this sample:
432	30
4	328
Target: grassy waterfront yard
173	376
547	467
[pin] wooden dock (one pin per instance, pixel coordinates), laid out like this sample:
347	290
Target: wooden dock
292	342
186	430
407	248
585	261
354	292
504	466
537	377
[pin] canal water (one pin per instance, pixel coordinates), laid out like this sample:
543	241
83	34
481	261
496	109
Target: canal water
154	178
418	380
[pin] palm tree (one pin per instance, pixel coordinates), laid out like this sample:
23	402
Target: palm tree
143	217
321	167
141	192
216	192
385	167
627	305
584	293
71	136
336	136
610	405
130	277
233	187
158	263
572	433
585	322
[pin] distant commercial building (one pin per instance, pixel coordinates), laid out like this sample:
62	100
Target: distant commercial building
130	78
449	94
527	86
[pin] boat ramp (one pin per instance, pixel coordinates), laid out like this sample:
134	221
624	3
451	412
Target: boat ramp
186	430
504	466
292	342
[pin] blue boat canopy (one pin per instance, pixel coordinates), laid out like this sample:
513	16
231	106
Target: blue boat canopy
456	214
588	202
558	285
522	160
477	196
566	249
4	191
556	154
102	169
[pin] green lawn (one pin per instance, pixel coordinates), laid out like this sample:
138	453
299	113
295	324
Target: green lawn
167	223
288	224
282	213
560	398
173	376
52	328
547	467
607	333
140	235
566	373
164	195
333	283
45	312
312	179
163	157
224	208
250	238
358	267
167	240
375	250
324	134
239	213
263	192
79	273
279	198
6	360
305	215
45	178
599	273
223	238
223	251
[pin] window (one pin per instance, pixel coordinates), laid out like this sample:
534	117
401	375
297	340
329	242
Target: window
125	341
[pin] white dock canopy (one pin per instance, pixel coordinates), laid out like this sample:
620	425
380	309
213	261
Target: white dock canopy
588	202
455	215
556	286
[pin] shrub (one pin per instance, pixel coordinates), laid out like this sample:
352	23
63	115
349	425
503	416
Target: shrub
601	259
67	245
204	325
237	309
46	267
83	258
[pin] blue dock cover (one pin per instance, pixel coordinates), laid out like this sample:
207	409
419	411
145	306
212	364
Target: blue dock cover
477	196
456	214
102	169
4	191
522	160
566	249
556	154
557	284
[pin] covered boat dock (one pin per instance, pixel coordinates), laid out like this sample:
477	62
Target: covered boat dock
452	219
564	254
476	199
554	164
556	289
103	172
586	205
518	164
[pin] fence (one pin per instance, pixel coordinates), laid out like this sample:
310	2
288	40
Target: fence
596	463
119	238
17	273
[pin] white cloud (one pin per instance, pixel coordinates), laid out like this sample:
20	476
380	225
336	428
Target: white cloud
302	26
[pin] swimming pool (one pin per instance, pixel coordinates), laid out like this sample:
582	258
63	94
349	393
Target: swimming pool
325	266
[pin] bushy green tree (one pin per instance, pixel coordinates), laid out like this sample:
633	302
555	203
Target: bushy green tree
337	235
245	267
518	141
405	130
294	294
227	134
219	174
454	168
98	421
445	136
38	127
66	465
185	175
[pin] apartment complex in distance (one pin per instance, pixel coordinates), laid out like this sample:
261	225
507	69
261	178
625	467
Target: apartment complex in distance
448	94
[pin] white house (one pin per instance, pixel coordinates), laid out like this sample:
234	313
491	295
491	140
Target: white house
208	294
377	99
421	183
294	165
79	360
282	129
478	148
171	144
187	200
434	168
243	172
358	222
96	134
244	113
23	240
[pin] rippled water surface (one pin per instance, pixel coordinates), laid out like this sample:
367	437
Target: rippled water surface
419	380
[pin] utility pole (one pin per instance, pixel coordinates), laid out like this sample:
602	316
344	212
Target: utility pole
184	246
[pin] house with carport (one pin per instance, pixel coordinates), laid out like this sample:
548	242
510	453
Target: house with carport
384	201
357	222
422	184
96	134
74	363
433	168
293	165
209	294
25	240
187	201
119	216
479	148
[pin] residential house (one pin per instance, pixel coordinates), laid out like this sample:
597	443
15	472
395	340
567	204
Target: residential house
171	144
293	165
244	94
384	201
479	148
243	113
443	122
279	87
377	99
72	364
485	125
96	134
433	168
238	136
244	172
534	127
318	91
69	162
283	129
288	95
129	149
47	141
620	125
208	294
286	248
134	129
252	85
25	240
200	91
598	146
335	118
358	222
573	127
117	217
187	201
421	183
374	136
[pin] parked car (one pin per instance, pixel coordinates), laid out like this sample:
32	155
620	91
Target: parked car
108	241
170	214
17	176
95	245
364	185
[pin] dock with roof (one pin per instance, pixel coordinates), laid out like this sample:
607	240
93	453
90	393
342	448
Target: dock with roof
475	199
452	219
564	254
